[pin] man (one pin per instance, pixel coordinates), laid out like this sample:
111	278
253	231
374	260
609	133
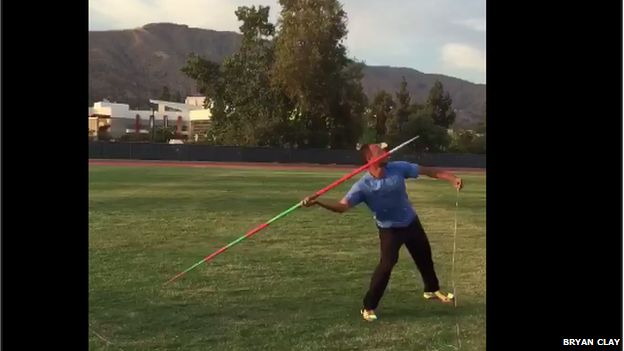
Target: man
383	190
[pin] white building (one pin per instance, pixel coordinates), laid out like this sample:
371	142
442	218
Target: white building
122	120
195	100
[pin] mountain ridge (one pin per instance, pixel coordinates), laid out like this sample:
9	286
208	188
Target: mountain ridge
132	66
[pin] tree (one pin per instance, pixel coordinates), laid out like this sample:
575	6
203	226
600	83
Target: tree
433	138
441	106
246	108
381	111
268	94
369	133
467	141
209	81
399	117
206	74
348	111
478	145
178	97
312	70
403	103
415	107
164	134
103	132
481	127
165	95
258	110
393	130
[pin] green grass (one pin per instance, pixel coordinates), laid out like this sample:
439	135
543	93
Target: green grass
297	285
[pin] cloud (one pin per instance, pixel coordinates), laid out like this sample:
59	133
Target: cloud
410	34
462	56
476	24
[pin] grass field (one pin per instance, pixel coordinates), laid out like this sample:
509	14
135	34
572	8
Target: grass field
297	285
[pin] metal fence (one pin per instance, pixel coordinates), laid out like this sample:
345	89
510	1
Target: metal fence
198	152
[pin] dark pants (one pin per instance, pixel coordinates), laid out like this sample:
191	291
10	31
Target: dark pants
391	240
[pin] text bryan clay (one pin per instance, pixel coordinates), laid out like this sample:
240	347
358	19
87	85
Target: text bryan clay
591	342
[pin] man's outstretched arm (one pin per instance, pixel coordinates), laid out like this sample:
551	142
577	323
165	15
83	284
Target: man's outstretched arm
334	206
444	175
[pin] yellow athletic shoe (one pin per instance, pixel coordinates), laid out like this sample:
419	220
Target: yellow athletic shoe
368	315
438	295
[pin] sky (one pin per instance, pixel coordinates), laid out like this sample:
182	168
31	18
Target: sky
432	36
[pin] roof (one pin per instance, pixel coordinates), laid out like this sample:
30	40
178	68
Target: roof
176	105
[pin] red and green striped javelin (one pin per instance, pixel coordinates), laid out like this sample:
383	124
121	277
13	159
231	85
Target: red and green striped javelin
291	209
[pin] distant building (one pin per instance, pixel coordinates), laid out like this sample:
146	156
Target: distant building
195	100
122	120
200	122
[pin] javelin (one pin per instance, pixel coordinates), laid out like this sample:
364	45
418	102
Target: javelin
294	207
